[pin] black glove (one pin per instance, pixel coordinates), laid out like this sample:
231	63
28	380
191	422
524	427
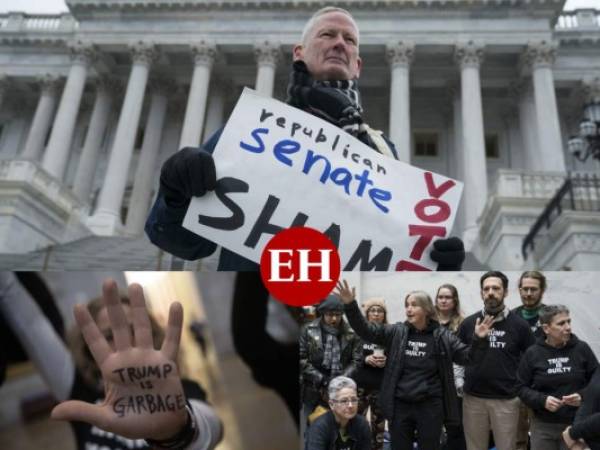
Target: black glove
326	103
448	253
188	173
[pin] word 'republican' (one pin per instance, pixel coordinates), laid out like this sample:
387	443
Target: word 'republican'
150	403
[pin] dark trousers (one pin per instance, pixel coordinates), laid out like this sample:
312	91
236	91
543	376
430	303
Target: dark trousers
455	434
425	418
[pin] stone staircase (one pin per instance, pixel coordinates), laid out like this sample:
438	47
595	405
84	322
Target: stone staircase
94	252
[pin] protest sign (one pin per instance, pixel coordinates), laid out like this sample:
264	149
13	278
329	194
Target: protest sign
278	167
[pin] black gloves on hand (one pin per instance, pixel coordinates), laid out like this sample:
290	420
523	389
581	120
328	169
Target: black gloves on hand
449	254
188	173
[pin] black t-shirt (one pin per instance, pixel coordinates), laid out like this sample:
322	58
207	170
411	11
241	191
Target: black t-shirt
495	376
89	437
340	444
419	379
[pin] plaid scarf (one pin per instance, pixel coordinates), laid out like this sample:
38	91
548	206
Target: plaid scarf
336	101
332	353
499	316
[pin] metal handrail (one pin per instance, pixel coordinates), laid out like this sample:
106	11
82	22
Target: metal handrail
581	192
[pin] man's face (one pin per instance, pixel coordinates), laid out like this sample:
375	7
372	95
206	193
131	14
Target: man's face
331	48
332	318
493	293
531	292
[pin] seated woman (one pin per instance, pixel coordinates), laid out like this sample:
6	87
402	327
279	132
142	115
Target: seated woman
552	373
340	428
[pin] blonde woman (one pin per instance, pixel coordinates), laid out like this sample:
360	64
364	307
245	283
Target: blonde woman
417	391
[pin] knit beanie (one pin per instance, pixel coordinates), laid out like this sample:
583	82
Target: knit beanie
331	303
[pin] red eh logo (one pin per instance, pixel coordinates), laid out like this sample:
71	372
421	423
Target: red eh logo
300	266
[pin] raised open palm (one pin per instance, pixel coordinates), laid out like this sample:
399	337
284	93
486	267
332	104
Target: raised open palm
143	395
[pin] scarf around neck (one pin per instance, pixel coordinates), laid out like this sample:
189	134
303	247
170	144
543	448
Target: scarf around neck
337	101
332	353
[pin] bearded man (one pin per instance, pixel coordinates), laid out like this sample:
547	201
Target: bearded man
491	391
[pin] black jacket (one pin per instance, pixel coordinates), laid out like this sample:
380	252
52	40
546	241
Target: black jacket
313	375
587	421
448	349
548	371
324	432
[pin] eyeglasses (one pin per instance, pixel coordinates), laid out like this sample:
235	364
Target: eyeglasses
377	310
530	289
346	401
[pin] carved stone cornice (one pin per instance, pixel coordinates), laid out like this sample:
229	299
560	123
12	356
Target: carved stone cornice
143	53
469	54
267	53
308	5
204	53
82	53
49	84
400	53
540	54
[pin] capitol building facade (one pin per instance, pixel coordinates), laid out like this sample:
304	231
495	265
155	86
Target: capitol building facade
484	91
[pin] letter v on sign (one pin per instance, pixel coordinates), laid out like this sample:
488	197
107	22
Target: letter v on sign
437	191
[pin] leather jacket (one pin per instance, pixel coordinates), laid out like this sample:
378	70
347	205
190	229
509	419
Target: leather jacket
313	376
448	348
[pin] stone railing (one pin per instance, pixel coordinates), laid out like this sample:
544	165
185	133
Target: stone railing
527	184
43	23
580	19
27	172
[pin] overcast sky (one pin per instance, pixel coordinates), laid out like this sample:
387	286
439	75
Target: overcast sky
56	6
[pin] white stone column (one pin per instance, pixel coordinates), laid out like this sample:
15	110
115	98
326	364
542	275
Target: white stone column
84	177
4	85
267	55
42	118
215	116
458	154
57	152
144	179
107	218
400	56
204	55
469	56
540	56
521	92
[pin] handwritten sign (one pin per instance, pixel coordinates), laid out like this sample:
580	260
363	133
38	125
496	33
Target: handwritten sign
278	167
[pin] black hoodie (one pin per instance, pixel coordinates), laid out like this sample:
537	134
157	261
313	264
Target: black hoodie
549	371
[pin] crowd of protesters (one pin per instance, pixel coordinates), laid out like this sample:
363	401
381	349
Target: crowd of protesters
510	379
